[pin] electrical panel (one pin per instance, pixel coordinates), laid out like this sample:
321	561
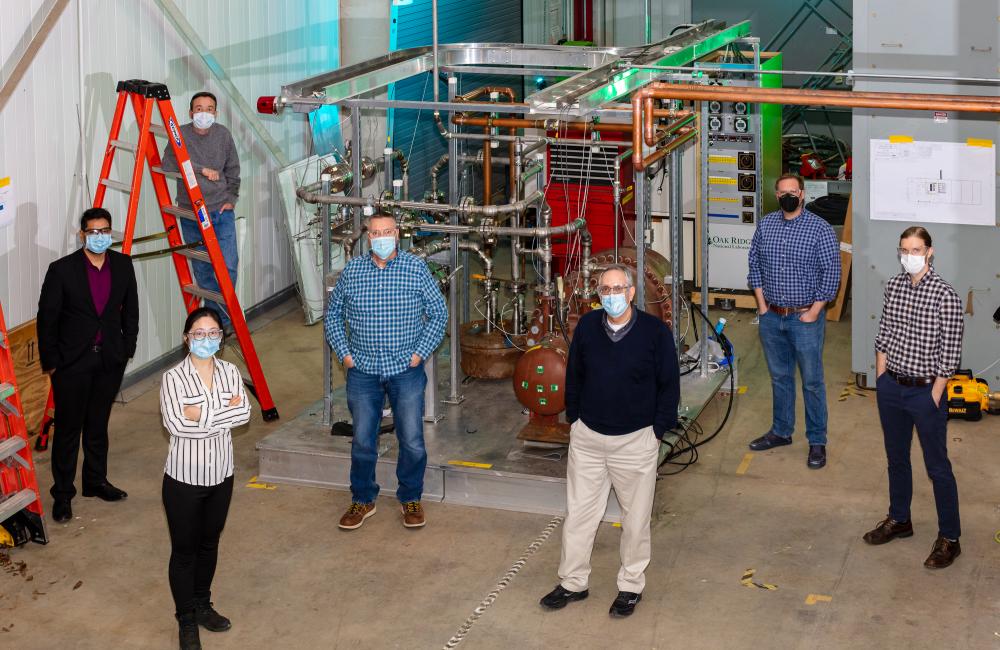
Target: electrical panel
741	158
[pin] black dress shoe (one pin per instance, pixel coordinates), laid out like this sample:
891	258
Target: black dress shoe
558	597
624	604
769	441
208	618
944	553
105	492
887	530
62	511
817	456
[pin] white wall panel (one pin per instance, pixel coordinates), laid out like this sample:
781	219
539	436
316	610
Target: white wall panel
260	43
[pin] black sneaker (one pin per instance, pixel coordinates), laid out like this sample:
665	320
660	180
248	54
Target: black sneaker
817	456
208	618
624	604
769	441
558	597
188	631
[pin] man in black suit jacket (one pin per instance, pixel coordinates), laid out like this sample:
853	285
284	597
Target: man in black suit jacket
88	323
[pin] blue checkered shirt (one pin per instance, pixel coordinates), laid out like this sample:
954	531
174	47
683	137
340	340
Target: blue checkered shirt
796	261
381	317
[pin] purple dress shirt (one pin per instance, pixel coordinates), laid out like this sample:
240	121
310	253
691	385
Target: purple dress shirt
100	288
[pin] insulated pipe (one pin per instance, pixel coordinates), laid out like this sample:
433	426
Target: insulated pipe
799	97
540	232
464	208
487	168
434	43
585	262
435	170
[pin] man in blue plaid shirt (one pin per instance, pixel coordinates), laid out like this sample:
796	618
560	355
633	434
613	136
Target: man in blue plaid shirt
386	317
794	271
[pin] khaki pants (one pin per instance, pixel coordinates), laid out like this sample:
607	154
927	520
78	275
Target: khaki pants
596	464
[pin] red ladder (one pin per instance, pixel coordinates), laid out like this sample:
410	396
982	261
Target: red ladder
145	97
21	515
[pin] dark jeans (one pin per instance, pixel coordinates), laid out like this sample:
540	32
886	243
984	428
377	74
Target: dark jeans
196	516
224	224
787	343
84	394
900	409
365	396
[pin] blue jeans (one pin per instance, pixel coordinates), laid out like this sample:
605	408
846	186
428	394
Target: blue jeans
901	408
788	342
224	223
365	397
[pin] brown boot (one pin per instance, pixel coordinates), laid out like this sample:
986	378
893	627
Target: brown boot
413	514
944	553
887	530
356	515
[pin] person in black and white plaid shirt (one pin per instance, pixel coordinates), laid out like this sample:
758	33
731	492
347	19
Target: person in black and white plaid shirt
917	349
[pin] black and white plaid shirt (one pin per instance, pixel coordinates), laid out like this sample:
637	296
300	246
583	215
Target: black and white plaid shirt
921	328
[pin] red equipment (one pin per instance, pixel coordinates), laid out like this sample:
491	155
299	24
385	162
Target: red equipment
582	182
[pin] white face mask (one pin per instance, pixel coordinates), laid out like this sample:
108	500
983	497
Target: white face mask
203	120
913	264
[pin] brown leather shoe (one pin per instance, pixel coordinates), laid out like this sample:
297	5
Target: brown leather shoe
356	515
413	514
888	530
944	553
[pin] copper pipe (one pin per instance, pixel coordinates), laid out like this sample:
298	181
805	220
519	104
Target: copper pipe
485	90
798	97
518	123
685	135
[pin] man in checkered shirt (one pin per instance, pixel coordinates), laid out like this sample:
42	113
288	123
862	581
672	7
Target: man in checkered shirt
385	318
918	347
794	265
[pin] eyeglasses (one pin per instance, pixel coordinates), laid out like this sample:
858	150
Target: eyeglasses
97	231
795	193
387	232
199	335
913	251
615	289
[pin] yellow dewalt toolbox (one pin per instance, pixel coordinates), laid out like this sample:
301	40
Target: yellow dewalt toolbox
968	396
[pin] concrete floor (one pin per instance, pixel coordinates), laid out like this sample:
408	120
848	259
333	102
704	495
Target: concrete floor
290	579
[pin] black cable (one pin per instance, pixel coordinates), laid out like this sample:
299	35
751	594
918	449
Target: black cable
685	444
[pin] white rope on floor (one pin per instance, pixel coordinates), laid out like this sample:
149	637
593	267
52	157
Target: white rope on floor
502	584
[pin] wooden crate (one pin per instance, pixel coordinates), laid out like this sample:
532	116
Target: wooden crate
31	381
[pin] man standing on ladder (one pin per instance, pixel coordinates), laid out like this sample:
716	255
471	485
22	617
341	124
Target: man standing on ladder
217	166
88	324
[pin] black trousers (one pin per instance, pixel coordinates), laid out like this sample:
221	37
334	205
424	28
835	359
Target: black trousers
84	394
901	408
196	516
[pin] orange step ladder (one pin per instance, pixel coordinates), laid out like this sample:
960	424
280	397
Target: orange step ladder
145	97
21	515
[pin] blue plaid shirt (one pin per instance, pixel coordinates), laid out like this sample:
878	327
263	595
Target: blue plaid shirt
796	261
390	314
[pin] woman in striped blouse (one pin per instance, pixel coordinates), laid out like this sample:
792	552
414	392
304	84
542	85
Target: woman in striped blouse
201	399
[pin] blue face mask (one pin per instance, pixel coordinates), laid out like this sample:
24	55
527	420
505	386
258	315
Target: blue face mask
97	244
384	246
205	348
614	304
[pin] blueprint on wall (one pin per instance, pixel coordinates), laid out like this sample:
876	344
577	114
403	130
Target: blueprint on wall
934	182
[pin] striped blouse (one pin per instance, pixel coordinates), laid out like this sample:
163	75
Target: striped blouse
201	452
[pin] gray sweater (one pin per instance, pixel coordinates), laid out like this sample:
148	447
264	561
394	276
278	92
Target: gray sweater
214	150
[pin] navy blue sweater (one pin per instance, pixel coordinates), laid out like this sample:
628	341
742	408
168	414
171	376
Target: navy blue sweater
621	387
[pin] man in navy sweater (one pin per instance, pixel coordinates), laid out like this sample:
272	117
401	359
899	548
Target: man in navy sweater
622	391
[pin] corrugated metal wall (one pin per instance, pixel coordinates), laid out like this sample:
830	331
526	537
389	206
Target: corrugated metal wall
459	21
260	43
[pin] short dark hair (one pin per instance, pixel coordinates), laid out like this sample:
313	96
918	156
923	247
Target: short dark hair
917	231
202	312
93	214
203	93
785	177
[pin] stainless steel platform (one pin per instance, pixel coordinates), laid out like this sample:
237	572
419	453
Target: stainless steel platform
474	457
